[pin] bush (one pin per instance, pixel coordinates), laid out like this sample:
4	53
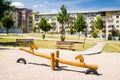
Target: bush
94	34
119	36
62	38
71	30
117	33
109	37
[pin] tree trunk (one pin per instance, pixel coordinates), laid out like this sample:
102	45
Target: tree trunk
62	34
79	36
84	41
22	31
7	32
100	33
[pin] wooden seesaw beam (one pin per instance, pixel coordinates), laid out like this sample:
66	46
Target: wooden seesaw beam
78	64
36	54
51	56
55	60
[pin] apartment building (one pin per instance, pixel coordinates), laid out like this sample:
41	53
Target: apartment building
51	18
21	16
24	18
111	20
30	19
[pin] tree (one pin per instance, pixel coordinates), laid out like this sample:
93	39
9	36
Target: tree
109	37
94	34
98	23
44	25
22	27
71	30
5	7
7	22
117	34
62	18
79	24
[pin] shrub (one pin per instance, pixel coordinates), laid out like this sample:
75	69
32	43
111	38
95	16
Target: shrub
94	34
71	30
62	38
109	37
119	36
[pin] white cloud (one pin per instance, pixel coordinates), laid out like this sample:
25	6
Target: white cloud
18	4
35	6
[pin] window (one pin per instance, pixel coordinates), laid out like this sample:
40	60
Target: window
36	19
103	14
37	23
110	31
110	12
109	26
37	16
110	21
117	21
117	16
117	26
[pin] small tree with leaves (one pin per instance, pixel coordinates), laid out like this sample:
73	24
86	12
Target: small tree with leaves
44	25
79	24
22	27
98	24
7	22
5	7
62	18
71	30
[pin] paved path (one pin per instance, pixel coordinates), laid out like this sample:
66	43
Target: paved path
95	49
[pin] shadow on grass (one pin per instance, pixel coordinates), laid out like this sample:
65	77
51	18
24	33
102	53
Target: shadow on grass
14	44
77	42
4	48
8	44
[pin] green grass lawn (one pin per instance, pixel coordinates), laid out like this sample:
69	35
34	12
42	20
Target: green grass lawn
112	47
51	44
10	40
67	37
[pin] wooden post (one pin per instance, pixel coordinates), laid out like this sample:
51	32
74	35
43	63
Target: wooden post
52	61
57	56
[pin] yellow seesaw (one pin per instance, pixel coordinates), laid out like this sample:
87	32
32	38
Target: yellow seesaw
55	60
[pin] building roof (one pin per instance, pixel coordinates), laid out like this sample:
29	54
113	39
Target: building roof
75	12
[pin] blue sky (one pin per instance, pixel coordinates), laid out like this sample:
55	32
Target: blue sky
53	6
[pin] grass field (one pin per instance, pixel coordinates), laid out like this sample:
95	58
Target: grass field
67	37
10	40
52	44
112	47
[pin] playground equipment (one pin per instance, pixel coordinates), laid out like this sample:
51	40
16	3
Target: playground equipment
55	60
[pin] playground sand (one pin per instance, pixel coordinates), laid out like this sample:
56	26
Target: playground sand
38	68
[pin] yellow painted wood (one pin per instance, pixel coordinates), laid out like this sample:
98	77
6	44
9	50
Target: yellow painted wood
84	65
36	54
56	61
80	57
52	61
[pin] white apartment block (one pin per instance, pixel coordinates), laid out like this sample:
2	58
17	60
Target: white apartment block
24	16
111	21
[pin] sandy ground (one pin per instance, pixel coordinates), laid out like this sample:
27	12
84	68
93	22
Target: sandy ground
38	68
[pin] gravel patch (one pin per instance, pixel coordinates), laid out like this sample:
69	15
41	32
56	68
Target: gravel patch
38	68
